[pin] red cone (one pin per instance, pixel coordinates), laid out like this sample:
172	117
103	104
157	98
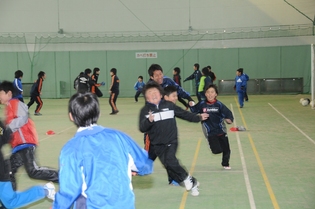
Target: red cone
50	132
234	129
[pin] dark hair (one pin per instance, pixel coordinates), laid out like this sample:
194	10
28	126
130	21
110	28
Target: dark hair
197	66
240	70
18	74
7	86
212	86
40	74
84	108
140	76
87	71
96	69
209	67
113	70
205	71
177	70
150	85
169	89
153	68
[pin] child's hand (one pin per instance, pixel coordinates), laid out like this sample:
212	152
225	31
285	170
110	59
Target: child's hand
151	117
191	103
204	116
228	121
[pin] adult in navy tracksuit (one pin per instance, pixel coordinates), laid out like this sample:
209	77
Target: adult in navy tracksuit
240	86
156	74
196	75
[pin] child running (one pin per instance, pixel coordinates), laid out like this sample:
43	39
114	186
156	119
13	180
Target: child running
214	127
96	164
10	198
158	115
24	137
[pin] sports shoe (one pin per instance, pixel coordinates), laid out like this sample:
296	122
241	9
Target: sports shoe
50	187
195	190
188	183
174	183
37	113
227	167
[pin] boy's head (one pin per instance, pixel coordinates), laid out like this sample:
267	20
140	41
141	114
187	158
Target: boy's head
113	71
84	109
239	71
6	91
170	94
152	92
196	66
18	74
209	68
155	72
87	71
140	78
211	92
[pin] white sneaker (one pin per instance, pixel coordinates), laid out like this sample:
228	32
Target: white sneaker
50	187
195	190
188	183
227	167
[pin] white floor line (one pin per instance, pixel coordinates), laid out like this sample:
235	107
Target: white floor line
309	138
246	177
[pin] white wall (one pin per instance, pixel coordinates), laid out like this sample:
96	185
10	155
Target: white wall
33	17
36	16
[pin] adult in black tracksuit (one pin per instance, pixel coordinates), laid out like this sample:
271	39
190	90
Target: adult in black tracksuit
196	75
157	119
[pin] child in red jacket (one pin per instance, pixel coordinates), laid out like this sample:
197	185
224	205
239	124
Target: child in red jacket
24	137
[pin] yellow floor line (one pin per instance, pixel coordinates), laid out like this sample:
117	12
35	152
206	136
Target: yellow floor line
191	171
262	170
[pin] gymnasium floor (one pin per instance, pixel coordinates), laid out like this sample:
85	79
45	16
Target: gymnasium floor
273	162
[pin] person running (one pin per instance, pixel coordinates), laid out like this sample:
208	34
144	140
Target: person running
96	164
157	115
36	92
24	138
214	127
155	72
13	199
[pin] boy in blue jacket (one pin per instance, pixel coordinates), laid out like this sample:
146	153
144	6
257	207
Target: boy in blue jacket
240	86
96	164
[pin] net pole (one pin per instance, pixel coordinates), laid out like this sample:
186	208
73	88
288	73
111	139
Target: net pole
312	75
